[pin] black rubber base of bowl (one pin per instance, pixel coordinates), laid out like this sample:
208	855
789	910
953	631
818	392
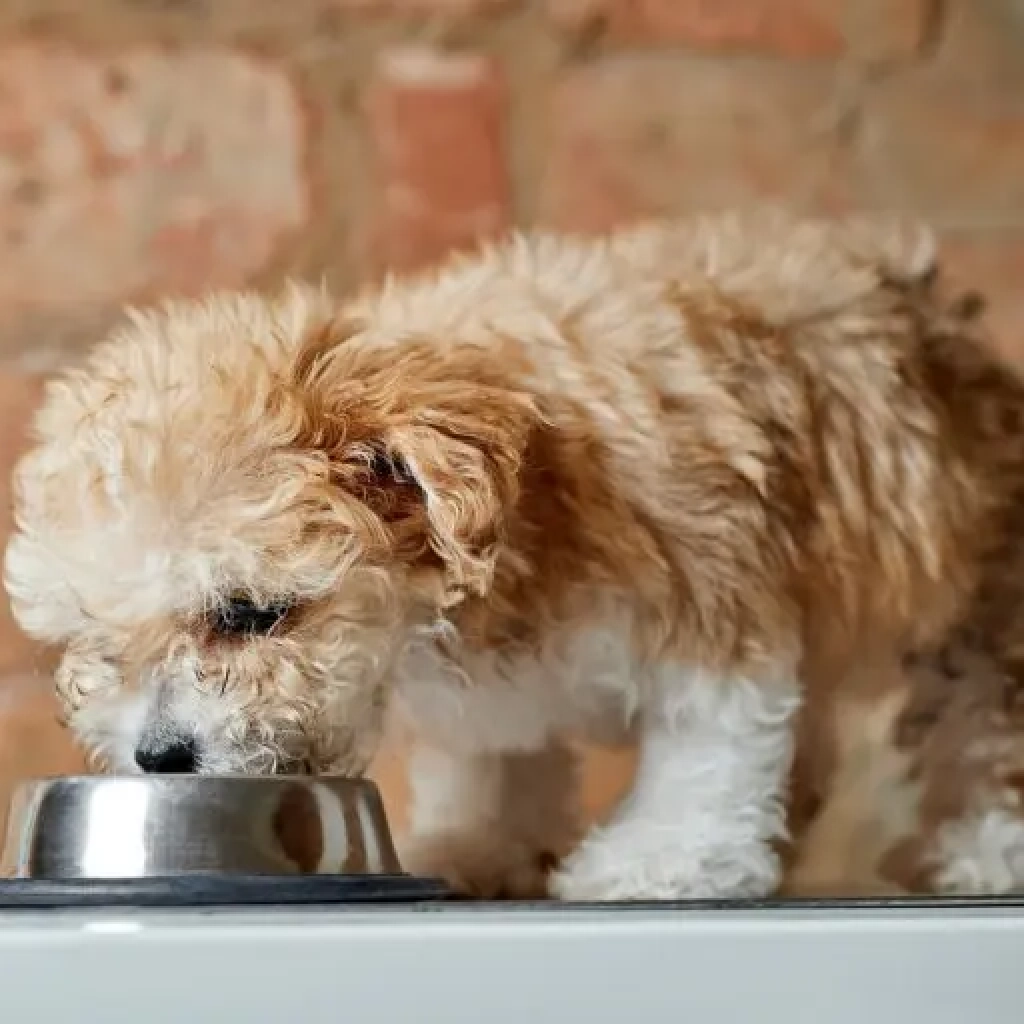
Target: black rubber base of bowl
218	891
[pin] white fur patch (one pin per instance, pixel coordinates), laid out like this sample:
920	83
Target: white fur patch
707	801
114	724
982	853
585	680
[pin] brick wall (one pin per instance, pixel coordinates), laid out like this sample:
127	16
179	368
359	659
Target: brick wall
150	147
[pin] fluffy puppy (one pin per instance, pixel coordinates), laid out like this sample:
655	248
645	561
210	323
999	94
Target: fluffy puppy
671	482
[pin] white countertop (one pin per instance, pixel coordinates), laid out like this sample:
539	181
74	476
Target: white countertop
461	965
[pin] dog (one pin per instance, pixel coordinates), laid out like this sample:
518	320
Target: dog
674	483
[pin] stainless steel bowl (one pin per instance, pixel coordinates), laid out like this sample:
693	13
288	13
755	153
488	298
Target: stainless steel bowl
108	827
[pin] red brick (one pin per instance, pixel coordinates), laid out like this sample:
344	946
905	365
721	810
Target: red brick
944	149
633	137
793	28
141	172
993	264
436	126
982	42
19	395
889	29
440	8
32	742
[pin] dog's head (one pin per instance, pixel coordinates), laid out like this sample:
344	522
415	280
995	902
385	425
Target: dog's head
236	517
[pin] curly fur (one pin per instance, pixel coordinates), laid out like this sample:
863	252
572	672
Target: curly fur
675	482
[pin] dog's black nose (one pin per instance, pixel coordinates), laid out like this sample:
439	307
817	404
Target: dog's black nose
175	758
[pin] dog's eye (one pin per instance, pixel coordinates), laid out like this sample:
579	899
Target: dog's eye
241	616
389	466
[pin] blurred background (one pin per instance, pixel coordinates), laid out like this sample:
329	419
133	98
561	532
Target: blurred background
157	147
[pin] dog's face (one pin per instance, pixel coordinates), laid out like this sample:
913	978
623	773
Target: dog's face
236	517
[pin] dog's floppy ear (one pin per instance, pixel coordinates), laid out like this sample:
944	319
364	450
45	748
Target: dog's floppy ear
465	465
432	441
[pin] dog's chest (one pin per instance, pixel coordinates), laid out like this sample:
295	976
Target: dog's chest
583	681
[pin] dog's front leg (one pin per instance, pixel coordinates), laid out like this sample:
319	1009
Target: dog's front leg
708	803
492	825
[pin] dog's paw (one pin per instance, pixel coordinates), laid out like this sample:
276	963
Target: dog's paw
480	866
628	862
